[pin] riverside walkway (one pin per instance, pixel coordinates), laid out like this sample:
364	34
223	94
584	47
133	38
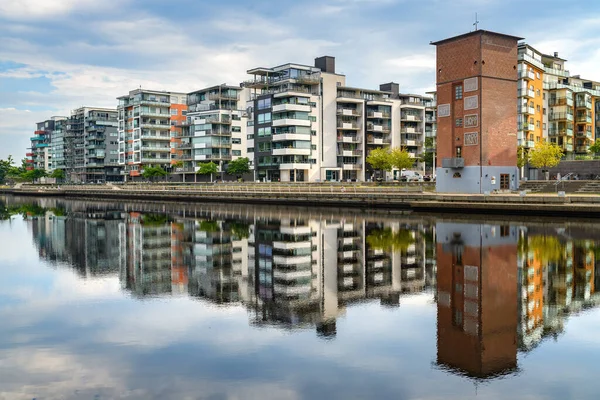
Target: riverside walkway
409	197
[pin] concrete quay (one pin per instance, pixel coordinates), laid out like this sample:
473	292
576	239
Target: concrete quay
402	198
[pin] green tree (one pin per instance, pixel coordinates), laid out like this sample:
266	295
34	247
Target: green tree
521	156
33	175
153	172
429	152
239	167
58	174
595	148
545	155
209	168
380	159
400	159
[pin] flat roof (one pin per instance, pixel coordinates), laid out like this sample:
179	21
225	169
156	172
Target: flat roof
364	90
477	32
552	56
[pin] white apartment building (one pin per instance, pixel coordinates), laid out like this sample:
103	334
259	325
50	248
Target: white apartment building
307	125
215	129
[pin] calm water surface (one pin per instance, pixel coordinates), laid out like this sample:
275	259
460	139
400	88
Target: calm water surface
149	301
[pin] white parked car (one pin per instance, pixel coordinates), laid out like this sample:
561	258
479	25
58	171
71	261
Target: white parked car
410	176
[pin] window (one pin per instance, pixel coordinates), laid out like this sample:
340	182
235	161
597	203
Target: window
544	96
504	231
236	141
458	92
313	146
537	75
264	118
544	111
459	122
537	124
458	152
250	149
312	118
173	111
250	137
537	93
538	108
544	126
183	112
314	133
264	103
236	152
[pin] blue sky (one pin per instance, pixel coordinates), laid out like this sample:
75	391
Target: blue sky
56	55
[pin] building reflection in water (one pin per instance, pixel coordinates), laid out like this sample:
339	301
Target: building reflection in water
477	298
500	289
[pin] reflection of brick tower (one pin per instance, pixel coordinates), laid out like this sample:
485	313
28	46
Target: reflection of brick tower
476	112
477	298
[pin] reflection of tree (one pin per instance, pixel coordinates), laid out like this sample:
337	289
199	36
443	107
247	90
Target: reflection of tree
388	239
209	226
26	210
240	230
545	248
155	219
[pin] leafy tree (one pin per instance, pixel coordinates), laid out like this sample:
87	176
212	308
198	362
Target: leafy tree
400	159
521	156
153	172
33	175
6	166
545	155
209	168
240	230
595	148
58	174
239	167
429	152
380	159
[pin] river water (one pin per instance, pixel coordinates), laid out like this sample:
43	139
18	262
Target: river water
103	300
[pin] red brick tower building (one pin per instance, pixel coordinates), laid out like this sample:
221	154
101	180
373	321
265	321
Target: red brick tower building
476	113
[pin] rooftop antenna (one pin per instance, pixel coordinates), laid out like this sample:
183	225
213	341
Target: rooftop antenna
476	22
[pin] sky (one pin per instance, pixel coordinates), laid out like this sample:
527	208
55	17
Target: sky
57	55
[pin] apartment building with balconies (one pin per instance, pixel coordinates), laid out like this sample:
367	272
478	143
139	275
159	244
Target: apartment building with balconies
531	98
90	145
39	155
148	121
57	143
215	129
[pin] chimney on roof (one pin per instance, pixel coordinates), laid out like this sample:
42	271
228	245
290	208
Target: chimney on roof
390	87
325	64
556	54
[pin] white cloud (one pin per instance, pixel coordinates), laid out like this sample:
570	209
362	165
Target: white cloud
33	9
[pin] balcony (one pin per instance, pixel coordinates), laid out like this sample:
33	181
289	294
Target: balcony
350	167
454	163
349	139
526	110
378	128
379	141
291	152
561	116
348	125
560	101
527	127
155	125
527	75
291	107
350	153
431	134
154	102
156	148
223	96
568	147
156	160
155	114
378	114
411	117
530	144
584	119
291	122
290	136
291	166
37	138
527	93
582	149
156	137
530	59
29	154
349	112
561	132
